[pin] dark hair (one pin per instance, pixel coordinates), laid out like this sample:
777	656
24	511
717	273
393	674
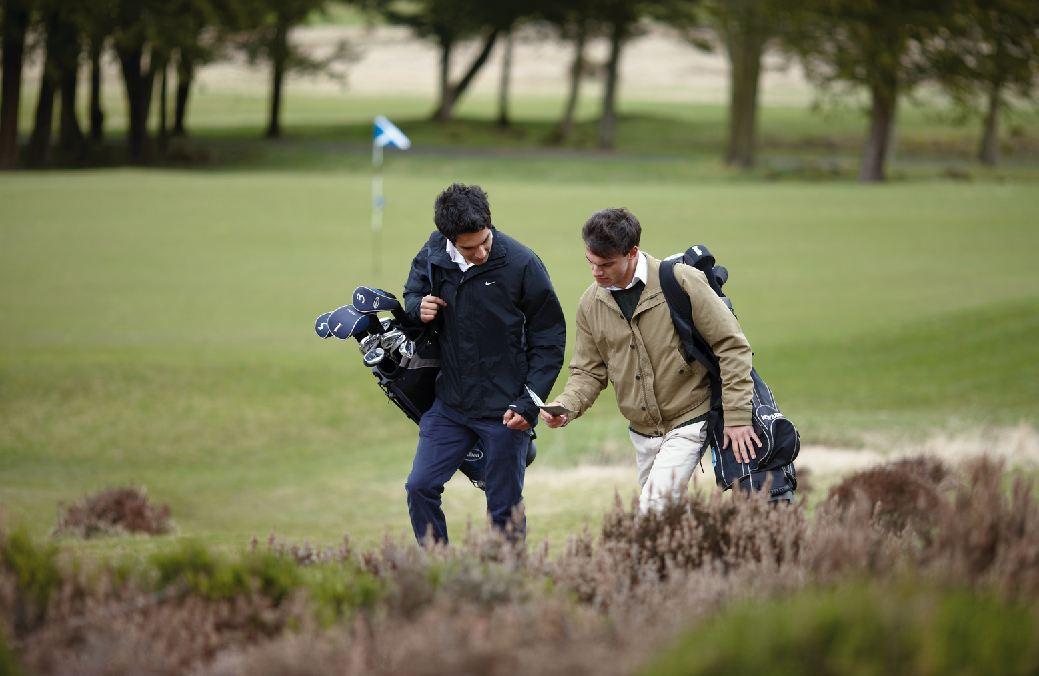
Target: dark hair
611	232
460	209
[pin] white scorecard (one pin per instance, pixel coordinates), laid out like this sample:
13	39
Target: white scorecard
553	410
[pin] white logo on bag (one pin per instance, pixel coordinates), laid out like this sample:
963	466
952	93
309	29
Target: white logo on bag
771	416
473	455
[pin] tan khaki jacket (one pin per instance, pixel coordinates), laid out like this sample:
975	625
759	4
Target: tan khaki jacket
656	389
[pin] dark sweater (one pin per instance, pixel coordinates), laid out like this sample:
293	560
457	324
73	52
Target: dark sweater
627	299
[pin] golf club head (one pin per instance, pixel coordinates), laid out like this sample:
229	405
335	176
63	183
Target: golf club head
368	300
391	340
346	322
373	356
321	327
368	342
407	349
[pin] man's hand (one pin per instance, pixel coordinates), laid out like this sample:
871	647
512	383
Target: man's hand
741	438
514	421
427	311
554	421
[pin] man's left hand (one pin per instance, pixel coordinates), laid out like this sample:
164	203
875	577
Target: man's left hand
514	421
741	438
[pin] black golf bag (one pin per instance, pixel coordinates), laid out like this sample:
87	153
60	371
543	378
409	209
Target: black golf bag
405	361
774	465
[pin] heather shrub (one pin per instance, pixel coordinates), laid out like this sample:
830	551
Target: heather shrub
732	566
31	577
8	661
989	534
112	512
337	591
724	530
902	493
862	629
305	554
196	569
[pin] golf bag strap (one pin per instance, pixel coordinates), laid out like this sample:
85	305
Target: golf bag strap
694	346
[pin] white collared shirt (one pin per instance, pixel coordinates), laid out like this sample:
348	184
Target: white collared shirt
641	272
457	257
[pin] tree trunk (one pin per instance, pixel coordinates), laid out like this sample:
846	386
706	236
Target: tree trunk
881	126
279	57
446	47
97	116
185	75
608	121
164	106
38	154
138	96
745	48
503	84
14	22
70	135
566	125
454	92
988	153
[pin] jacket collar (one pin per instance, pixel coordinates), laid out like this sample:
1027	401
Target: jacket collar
438	252
651	296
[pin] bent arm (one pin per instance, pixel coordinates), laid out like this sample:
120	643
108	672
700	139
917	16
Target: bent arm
588	372
723	333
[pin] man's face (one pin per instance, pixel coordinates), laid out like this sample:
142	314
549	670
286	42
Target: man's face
475	247
613	270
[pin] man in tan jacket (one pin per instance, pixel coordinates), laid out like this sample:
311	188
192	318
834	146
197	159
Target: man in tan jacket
625	336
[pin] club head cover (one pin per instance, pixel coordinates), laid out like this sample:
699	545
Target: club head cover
368	300
346	322
321	327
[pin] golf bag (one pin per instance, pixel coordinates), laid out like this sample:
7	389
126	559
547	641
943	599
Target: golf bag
780	439
404	361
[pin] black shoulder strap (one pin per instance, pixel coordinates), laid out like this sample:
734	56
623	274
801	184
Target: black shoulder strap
694	347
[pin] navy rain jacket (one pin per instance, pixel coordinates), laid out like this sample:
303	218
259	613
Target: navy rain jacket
502	327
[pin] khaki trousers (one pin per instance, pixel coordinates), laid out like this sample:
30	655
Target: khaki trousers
666	463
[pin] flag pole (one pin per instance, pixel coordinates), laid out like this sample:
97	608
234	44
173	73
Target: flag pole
378	203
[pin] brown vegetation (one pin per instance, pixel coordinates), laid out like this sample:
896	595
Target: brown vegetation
606	605
113	511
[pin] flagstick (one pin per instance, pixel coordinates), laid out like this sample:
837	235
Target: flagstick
378	203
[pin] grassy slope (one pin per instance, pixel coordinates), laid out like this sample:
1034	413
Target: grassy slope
155	326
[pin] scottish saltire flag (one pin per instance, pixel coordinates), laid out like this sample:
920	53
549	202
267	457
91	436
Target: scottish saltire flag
387	134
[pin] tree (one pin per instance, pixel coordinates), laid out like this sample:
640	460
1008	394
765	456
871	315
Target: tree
448	23
621	20
99	23
38	152
14	20
575	21
876	45
990	50
503	82
269	23
146	34
744	29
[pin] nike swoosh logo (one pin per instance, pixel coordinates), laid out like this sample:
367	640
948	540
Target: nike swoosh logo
488	283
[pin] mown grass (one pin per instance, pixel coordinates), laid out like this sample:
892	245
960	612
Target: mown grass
155	327
155	323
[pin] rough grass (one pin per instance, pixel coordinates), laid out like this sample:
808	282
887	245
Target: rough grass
711	582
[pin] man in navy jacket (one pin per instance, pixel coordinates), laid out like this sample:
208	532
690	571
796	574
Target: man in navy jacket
501	330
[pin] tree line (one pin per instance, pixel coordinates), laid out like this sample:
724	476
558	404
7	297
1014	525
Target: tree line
983	53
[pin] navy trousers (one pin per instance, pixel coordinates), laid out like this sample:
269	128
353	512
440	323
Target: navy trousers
446	435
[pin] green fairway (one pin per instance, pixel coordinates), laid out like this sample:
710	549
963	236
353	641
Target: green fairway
155	323
155	328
